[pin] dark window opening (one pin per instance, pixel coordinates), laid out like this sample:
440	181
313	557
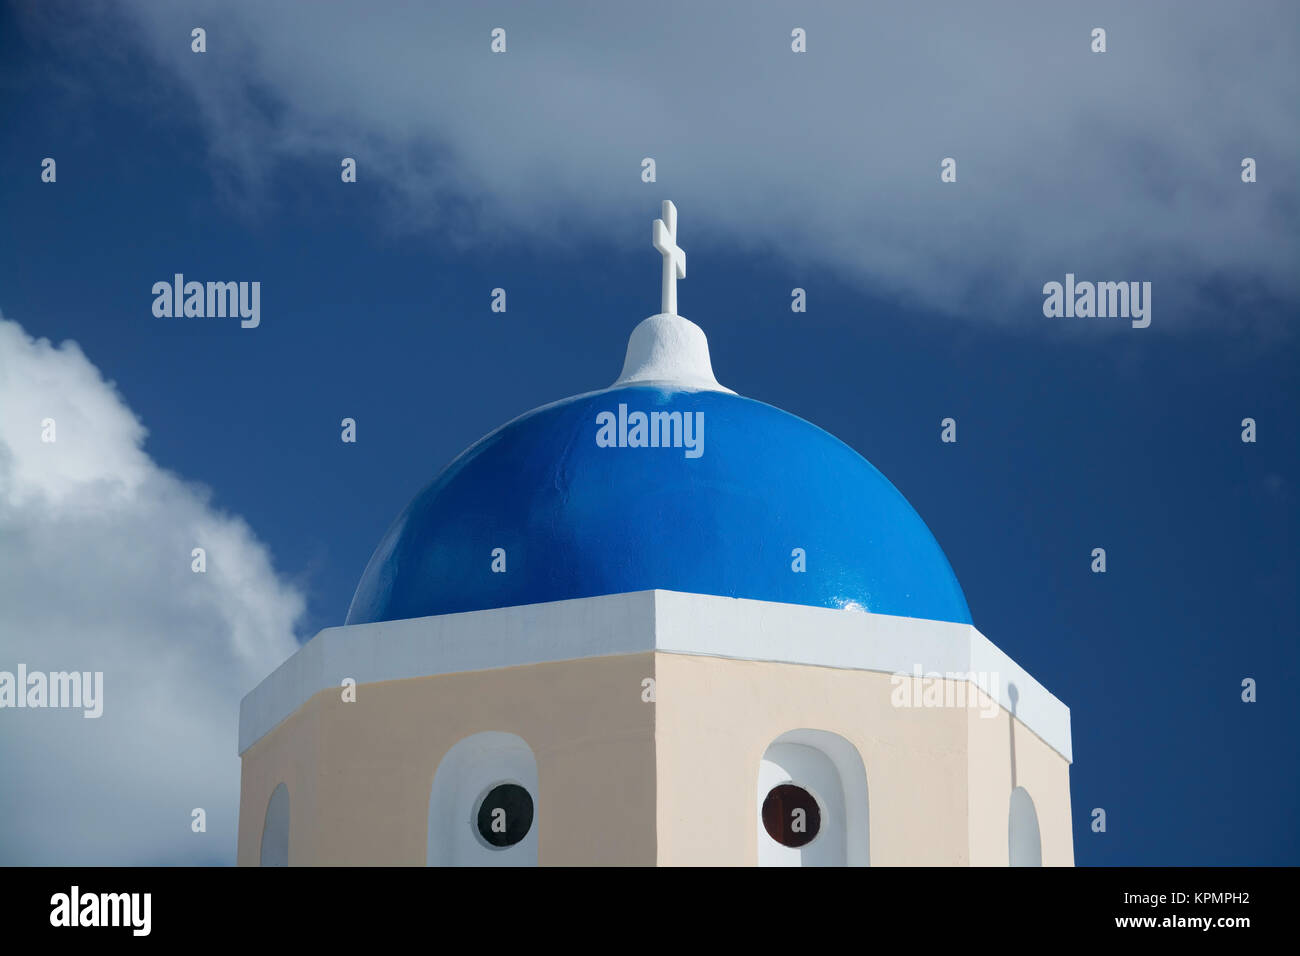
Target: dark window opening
791	815
505	816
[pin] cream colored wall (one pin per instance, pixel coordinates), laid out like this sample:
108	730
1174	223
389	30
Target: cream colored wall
290	756
715	718
366	800
1037	767
622	781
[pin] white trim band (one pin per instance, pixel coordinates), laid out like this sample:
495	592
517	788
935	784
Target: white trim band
643	621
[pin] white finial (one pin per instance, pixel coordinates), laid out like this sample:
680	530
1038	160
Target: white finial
672	351
666	349
665	240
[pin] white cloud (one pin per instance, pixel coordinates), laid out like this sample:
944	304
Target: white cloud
95	543
1118	165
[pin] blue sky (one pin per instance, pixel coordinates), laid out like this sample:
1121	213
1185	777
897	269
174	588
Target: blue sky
1073	434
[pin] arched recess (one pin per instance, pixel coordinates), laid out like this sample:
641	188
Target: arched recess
830	769
483	764
1024	845
275	831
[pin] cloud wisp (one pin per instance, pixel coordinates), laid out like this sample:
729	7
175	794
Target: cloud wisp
1115	166
96	575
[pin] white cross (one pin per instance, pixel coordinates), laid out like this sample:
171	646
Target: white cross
665	240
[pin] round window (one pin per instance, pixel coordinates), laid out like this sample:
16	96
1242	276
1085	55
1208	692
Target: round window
791	815
505	816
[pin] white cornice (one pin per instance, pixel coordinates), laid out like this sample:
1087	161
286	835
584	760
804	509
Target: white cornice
643	621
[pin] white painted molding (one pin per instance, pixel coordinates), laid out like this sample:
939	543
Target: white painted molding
643	621
671	351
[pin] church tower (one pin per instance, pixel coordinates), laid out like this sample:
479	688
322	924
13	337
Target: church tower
658	623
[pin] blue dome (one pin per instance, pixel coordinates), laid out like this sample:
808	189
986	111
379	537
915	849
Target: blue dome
577	520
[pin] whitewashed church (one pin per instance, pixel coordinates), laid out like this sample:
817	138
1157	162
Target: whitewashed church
657	623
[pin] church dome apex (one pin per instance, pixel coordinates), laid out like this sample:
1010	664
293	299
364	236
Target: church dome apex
665	480
669	350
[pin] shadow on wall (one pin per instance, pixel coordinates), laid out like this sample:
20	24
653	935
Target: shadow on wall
275	831
1024	846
